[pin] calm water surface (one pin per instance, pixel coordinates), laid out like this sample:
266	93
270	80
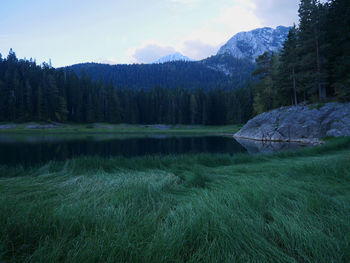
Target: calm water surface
34	149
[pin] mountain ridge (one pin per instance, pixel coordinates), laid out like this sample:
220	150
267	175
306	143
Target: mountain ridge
205	74
253	43
230	68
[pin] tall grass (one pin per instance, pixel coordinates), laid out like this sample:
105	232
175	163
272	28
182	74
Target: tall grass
287	207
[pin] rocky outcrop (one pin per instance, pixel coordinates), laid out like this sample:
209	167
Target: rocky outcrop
266	147
303	123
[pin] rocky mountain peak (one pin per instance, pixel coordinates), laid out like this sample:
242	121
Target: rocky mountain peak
251	44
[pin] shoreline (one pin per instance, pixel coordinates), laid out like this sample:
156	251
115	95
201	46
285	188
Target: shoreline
102	128
313	141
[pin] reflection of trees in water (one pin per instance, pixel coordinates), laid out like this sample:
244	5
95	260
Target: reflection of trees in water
32	151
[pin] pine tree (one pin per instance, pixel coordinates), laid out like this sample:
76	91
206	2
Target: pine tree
288	68
194	109
3	117
265	89
311	61
338	49
28	100
39	104
62	111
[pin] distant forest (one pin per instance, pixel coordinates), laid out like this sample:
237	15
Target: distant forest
222	71
41	93
313	66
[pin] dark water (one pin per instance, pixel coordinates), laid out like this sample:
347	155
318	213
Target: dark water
34	149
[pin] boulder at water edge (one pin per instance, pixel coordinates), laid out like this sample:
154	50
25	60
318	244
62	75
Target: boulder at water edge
302	123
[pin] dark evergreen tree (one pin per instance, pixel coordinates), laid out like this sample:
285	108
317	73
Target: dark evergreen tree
310	52
265	89
288	69
337	29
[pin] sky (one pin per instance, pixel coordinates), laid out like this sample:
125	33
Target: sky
131	31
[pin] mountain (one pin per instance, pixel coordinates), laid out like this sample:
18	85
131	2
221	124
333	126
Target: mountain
235	68
249	45
230	68
177	56
221	71
188	75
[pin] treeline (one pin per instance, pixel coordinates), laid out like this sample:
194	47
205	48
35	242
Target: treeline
314	62
29	92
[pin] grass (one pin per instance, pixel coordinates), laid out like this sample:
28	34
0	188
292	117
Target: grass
286	207
104	128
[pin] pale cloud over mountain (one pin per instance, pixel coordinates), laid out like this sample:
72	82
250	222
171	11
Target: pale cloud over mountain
232	17
149	53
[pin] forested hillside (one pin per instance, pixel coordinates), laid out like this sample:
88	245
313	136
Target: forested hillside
313	66
222	71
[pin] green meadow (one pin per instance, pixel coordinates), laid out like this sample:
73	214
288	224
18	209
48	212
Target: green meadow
284	207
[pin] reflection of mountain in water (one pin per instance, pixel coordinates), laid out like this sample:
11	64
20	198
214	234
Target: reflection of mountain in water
255	147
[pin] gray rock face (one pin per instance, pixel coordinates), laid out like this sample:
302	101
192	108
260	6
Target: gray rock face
254	43
266	147
307	124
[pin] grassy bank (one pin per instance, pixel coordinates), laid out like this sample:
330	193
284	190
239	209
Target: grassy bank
287	207
95	128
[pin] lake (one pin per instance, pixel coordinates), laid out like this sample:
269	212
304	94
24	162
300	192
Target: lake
35	149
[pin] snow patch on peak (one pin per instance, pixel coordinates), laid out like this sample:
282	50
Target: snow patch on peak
177	56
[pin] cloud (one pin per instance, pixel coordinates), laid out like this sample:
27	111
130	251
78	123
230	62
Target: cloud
149	53
239	17
233	17
194	49
206	40
197	50
231	20
277	12
107	61
184	1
